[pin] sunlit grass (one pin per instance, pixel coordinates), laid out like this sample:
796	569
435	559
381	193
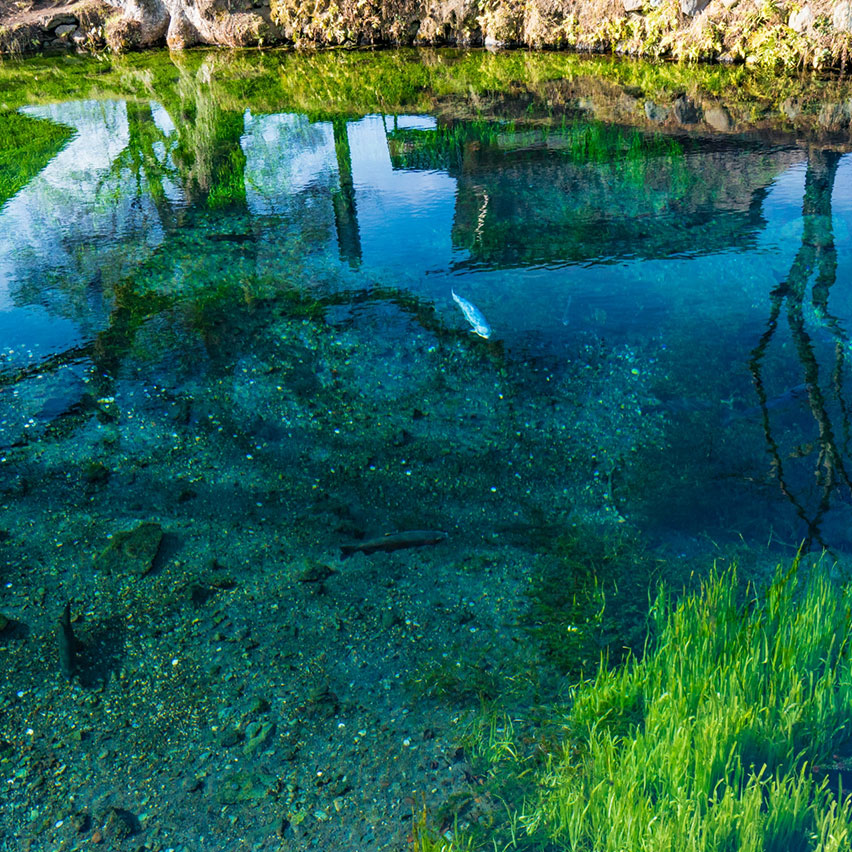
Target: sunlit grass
716	738
732	732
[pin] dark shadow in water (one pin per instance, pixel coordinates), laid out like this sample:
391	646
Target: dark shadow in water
817	255
343	199
100	652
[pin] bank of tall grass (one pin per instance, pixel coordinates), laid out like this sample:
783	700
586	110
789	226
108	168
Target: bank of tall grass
731	733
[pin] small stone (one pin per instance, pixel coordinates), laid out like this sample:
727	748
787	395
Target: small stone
633	5
194	784
259	705
693	7
315	572
258	735
390	619
132	551
65	29
120	824
324	701
95	472
230	738
244	787
81	821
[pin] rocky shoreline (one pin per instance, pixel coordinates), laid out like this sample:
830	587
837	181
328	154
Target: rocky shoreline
815	34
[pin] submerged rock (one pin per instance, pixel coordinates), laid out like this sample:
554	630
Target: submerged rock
244	787
120	824
315	572
132	551
258	735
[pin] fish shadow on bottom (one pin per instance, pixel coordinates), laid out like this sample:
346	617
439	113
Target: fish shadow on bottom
99	652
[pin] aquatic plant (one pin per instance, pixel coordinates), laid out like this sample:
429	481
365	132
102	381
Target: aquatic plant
460	676
581	603
722	735
731	732
334	84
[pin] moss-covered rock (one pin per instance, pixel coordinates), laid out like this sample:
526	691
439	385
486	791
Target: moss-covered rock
131	551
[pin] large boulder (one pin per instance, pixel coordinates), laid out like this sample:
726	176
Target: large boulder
801	20
184	23
842	17
451	22
145	23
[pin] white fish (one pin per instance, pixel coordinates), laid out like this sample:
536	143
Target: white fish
473	315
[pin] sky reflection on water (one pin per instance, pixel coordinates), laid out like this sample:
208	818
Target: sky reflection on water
565	235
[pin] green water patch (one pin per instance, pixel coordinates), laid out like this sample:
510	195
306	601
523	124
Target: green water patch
442	147
591	599
27	145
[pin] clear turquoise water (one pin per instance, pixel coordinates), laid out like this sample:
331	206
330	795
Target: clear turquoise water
132	276
240	324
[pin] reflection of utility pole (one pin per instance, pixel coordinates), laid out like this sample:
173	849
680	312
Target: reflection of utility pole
343	199
817	253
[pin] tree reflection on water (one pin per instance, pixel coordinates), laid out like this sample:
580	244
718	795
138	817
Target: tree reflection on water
817	259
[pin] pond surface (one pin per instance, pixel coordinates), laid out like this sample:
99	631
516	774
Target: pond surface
569	327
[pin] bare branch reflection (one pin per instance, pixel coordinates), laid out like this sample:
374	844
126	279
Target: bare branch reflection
817	259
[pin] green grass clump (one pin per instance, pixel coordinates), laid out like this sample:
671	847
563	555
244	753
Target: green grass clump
715	738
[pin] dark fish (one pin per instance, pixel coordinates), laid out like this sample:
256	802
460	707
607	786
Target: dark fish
67	643
230	238
394	541
755	412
